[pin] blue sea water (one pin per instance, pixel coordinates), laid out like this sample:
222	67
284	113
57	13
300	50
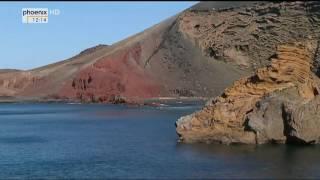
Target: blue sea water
63	141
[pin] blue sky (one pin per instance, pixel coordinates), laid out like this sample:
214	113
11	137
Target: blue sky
79	25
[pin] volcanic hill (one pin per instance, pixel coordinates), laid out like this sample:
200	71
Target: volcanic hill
196	53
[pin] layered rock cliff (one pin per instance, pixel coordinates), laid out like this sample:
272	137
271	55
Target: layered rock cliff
248	36
280	103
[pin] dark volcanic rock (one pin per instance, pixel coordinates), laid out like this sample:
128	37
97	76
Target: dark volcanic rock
248	35
284	116
302	121
266	120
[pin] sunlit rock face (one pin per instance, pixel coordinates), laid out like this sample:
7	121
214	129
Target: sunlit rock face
277	104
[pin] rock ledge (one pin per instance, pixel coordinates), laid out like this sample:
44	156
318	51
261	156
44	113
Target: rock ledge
279	104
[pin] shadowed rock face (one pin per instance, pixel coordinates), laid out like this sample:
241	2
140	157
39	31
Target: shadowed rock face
277	104
197	53
286	117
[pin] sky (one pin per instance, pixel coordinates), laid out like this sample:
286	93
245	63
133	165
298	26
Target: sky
79	25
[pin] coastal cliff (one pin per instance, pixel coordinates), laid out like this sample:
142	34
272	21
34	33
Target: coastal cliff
279	104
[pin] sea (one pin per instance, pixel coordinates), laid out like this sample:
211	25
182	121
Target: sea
101	141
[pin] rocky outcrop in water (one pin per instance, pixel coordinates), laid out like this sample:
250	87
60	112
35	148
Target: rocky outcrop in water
278	104
286	117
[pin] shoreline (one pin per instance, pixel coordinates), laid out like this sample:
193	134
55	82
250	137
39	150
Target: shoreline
157	101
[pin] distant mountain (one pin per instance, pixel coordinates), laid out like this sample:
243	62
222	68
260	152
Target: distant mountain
8	70
196	53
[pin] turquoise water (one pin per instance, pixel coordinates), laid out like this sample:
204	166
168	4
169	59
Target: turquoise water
119	141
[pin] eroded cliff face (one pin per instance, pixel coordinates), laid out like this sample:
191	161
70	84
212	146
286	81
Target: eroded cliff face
11	83
248	36
113	79
271	105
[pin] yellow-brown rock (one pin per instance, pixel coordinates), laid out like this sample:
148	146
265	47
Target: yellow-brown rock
223	120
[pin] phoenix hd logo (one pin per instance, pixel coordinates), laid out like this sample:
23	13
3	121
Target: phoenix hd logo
37	15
